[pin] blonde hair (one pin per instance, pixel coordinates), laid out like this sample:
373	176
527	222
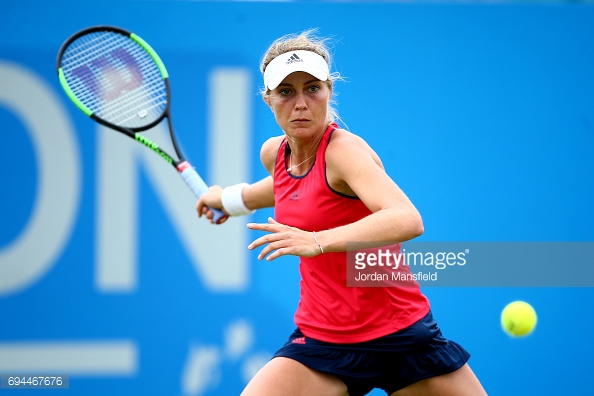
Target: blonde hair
306	41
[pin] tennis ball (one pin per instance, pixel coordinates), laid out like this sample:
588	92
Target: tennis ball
518	319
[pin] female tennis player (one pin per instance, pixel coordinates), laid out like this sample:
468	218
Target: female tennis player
329	189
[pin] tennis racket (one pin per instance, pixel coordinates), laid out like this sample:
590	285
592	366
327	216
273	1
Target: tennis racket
118	80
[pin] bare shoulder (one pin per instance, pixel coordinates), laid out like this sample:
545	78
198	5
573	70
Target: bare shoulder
345	144
268	152
350	159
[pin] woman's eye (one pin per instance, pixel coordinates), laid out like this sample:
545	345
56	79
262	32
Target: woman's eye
284	92
313	88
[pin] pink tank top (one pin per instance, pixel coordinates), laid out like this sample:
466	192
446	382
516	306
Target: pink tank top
329	310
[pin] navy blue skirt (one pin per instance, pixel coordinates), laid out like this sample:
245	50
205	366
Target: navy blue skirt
390	363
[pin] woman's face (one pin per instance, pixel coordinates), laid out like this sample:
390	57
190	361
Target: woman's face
300	105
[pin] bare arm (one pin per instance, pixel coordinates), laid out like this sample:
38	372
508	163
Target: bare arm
261	194
255	196
394	218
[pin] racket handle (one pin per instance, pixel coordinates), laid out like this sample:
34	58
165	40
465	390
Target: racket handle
199	187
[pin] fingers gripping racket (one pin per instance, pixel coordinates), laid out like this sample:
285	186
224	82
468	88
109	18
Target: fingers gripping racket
118	80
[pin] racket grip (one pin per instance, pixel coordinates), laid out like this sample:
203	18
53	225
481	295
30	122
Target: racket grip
199	188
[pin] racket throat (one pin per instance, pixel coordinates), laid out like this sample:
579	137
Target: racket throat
153	146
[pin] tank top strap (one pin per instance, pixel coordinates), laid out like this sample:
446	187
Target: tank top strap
328	134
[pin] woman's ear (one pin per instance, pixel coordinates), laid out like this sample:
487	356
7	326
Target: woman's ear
266	100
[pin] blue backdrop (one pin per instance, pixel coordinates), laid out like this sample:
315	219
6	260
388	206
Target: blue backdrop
482	113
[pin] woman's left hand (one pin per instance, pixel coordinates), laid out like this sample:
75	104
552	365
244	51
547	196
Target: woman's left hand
283	240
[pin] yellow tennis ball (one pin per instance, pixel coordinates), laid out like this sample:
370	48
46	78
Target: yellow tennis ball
518	319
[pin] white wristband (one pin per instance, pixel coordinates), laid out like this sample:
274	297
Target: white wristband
233	202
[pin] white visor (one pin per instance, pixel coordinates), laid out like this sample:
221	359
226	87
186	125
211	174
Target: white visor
294	61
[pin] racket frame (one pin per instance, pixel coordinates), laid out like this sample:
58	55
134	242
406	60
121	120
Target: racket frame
181	164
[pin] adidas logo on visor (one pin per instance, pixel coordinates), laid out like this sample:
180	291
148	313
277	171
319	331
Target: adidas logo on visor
292	61
294	58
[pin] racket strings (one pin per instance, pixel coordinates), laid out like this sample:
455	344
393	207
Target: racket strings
115	78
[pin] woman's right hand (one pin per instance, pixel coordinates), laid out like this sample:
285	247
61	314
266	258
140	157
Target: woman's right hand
212	199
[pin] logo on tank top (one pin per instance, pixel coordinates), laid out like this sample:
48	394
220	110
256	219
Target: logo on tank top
299	340
295	196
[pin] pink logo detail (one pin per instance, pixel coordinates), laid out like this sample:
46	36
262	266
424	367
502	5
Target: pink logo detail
300	340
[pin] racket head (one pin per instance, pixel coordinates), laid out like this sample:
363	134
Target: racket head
115	77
